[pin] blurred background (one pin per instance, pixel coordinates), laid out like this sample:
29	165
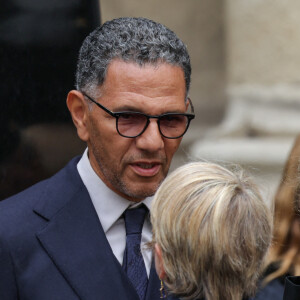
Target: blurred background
245	81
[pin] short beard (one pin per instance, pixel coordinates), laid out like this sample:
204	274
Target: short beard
120	186
139	195
123	188
114	179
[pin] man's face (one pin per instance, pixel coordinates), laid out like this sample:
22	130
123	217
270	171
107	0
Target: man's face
134	167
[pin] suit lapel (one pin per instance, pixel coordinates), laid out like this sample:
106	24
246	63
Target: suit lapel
75	241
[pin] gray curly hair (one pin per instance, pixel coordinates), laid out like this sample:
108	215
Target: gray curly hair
136	40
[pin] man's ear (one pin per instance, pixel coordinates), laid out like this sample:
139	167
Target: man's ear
79	111
159	266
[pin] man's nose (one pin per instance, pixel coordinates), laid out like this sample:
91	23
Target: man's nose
151	139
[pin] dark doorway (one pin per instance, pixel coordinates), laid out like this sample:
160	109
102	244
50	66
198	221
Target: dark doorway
39	43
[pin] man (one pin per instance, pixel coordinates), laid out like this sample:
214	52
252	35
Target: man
75	235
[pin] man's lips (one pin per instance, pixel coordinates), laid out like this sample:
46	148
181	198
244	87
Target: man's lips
146	169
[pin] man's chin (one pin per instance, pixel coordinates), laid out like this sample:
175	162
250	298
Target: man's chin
137	189
138	195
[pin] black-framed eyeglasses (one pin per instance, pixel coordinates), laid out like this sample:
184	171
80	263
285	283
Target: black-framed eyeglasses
132	124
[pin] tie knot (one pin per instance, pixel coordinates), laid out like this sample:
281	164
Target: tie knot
134	219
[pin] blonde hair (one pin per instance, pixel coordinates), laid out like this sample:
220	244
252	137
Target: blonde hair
213	229
285	249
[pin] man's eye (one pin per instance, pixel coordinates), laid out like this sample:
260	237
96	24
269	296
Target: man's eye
136	118
126	116
173	119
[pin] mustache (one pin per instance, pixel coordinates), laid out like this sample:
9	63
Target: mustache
147	156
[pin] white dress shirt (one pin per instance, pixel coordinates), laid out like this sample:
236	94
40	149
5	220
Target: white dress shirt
110	207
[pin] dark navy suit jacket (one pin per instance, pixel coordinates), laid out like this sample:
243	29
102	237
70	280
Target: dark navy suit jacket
53	247
292	288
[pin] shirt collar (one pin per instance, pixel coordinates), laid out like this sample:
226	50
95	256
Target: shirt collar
108	205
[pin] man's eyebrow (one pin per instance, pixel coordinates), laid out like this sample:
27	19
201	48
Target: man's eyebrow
126	108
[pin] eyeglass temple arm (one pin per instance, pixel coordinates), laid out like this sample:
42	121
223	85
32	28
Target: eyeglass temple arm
97	103
192	106
112	114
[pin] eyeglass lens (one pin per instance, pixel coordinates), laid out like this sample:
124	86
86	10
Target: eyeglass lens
133	124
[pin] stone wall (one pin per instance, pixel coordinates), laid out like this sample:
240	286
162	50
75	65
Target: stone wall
262	88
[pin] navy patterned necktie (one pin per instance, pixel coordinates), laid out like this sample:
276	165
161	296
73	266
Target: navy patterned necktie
133	262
